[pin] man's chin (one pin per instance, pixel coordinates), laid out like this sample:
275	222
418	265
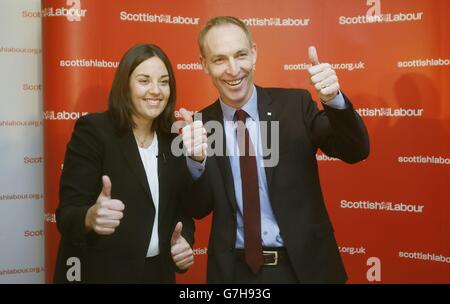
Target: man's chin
235	100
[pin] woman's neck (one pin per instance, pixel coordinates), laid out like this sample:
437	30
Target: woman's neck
143	133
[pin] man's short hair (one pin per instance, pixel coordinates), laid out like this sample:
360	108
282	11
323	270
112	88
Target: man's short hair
221	20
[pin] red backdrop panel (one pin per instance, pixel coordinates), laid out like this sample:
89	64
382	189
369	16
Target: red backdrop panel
370	59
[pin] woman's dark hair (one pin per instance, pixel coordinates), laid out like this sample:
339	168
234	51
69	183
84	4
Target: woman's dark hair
120	103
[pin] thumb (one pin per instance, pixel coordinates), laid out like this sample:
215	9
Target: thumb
176	233
312	54
186	116
106	189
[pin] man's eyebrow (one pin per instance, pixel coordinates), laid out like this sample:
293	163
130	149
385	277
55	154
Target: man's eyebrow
217	56
244	50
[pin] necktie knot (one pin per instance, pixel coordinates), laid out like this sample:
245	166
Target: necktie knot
241	115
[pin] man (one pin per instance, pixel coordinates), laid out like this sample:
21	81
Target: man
290	239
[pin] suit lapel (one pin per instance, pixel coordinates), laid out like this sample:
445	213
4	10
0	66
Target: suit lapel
267	116
163	172
129	148
223	161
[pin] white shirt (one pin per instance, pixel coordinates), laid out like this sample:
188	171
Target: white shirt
150	161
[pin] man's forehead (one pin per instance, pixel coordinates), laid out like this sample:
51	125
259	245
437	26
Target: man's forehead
229	29
228	38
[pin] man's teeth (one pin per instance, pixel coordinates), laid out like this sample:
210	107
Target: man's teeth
234	82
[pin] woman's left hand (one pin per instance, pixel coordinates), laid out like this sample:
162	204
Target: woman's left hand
181	251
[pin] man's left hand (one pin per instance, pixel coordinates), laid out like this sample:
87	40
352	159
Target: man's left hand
323	77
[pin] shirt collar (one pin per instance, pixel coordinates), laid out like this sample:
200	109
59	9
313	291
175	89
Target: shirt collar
251	107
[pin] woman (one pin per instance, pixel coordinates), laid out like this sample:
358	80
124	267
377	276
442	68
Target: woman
121	189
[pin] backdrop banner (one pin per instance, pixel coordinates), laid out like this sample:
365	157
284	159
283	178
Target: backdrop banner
391	212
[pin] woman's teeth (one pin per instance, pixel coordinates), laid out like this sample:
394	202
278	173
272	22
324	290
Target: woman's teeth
152	102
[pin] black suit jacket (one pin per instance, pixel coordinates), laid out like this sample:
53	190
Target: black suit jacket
294	187
95	149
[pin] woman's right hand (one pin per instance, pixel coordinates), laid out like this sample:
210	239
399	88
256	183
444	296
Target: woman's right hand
105	215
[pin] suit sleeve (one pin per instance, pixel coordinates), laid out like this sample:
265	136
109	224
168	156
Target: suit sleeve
200	193
80	181
183	215
338	133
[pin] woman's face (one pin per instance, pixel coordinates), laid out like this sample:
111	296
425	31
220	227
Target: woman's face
149	89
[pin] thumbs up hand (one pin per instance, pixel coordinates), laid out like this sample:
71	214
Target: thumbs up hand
323	77
194	137
181	251
105	215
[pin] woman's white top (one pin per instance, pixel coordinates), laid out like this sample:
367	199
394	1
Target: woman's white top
149	158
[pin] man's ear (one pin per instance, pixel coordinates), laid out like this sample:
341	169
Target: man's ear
255	53
204	66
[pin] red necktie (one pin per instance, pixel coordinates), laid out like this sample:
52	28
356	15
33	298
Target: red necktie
250	196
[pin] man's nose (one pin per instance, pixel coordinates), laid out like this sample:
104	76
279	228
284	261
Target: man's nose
233	67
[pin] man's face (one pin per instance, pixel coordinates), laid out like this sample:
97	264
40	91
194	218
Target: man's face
229	60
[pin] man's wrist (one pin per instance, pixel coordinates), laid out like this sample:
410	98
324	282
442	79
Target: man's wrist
198	159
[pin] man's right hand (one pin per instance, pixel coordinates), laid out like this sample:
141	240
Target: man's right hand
194	137
105	215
